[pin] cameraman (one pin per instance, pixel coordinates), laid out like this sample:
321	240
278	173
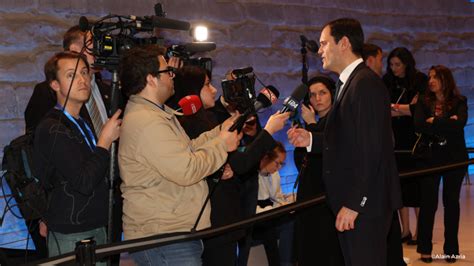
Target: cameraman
226	205
69	160
162	169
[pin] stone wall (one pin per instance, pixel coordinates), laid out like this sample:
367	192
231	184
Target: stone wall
261	33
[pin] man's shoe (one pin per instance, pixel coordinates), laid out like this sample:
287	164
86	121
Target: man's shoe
412	242
427	259
450	260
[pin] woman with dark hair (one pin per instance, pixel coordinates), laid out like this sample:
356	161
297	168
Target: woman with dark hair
442	112
226	207
405	83
316	236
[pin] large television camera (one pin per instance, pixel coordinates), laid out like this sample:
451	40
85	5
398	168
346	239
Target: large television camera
114	34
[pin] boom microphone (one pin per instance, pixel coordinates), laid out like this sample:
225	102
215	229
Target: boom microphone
292	102
266	97
84	24
166	23
190	104
242	71
198	47
311	45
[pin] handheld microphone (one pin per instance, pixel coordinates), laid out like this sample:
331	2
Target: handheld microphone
190	104
242	71
292	102
267	96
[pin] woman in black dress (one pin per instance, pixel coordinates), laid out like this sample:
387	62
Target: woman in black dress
442	112
316	236
405	84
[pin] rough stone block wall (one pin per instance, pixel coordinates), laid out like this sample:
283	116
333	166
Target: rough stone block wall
259	33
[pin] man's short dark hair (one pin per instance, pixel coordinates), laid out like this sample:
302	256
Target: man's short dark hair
370	49
72	35
350	28
51	67
135	66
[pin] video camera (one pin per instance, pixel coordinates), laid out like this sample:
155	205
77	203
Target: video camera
240	92
186	51
113	34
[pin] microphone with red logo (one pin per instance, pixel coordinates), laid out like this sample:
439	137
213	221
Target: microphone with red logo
190	104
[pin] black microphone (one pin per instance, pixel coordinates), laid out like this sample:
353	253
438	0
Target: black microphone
242	71
166	23
267	96
311	45
292	102
84	24
199	47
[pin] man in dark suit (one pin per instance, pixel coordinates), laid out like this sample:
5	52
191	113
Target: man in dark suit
359	169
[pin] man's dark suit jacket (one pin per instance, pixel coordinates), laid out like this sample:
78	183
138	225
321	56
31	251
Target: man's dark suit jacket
44	99
359	169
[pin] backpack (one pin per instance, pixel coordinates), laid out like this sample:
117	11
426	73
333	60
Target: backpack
25	187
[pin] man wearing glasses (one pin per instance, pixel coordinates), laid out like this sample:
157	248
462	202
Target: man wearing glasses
163	171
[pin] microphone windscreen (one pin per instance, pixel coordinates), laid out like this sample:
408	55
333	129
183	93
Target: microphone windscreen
267	96
190	104
199	47
299	93
83	24
242	71
272	91
166	23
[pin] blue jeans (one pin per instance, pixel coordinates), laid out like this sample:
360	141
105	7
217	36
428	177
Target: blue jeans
180	254
59	243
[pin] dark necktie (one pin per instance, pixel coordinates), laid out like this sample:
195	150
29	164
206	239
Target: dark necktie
338	88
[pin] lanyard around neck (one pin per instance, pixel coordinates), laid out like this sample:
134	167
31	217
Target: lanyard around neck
89	131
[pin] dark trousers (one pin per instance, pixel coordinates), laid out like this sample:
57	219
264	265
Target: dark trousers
366	244
224	254
248	201
394	243
452	182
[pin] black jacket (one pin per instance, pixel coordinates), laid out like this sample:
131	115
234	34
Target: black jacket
450	129
44	99
359	169
74	175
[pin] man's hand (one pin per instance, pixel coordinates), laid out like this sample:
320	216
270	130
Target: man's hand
430	120
175	62
111	131
228	173
43	229
232	139
276	122
345	219
299	137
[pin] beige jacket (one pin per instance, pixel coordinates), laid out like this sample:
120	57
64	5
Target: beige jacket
163	171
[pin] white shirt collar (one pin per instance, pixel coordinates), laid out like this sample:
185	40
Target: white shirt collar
348	70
